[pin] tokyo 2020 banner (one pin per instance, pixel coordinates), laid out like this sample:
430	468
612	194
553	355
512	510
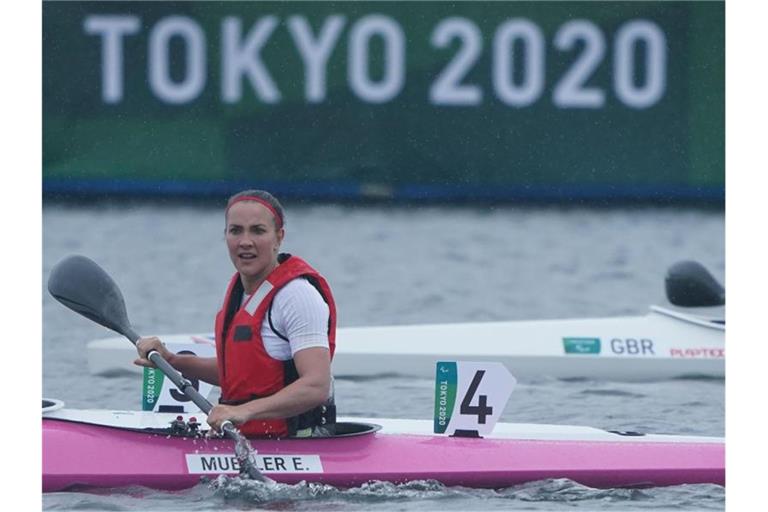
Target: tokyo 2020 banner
405	100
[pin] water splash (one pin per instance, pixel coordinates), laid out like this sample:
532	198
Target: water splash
246	457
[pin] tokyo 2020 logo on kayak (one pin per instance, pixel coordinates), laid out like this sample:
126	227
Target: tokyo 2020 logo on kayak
581	345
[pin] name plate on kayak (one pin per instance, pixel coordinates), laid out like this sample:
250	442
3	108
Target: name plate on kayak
470	397
219	464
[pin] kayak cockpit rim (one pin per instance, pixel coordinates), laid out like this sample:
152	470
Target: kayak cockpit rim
52	404
343	429
686	317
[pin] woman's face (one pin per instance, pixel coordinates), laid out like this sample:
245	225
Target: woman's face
252	241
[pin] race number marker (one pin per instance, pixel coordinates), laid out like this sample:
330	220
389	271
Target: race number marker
470	397
160	394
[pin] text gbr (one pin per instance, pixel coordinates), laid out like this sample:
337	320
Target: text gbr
631	346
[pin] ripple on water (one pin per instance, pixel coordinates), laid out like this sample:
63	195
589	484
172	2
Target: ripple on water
549	494
611	392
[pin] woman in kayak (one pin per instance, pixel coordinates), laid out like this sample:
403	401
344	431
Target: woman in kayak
275	333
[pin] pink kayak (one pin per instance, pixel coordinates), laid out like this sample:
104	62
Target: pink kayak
97	448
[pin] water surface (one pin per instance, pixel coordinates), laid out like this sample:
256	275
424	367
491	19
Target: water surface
401	266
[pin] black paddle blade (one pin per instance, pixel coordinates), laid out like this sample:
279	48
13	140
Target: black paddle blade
84	287
690	285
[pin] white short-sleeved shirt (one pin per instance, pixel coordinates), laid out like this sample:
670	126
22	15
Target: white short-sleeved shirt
300	314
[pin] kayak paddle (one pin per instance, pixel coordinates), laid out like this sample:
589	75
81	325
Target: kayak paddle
84	287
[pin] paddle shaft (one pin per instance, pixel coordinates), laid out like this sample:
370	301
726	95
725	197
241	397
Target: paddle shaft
184	385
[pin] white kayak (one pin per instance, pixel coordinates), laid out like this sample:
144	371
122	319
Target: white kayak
665	343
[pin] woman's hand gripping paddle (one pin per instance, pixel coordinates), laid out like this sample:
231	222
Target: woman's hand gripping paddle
84	287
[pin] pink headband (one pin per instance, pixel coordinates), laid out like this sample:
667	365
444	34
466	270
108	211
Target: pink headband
263	203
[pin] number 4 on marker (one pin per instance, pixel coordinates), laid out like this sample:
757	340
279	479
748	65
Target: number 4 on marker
481	409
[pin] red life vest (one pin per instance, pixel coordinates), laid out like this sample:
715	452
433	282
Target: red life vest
246	370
